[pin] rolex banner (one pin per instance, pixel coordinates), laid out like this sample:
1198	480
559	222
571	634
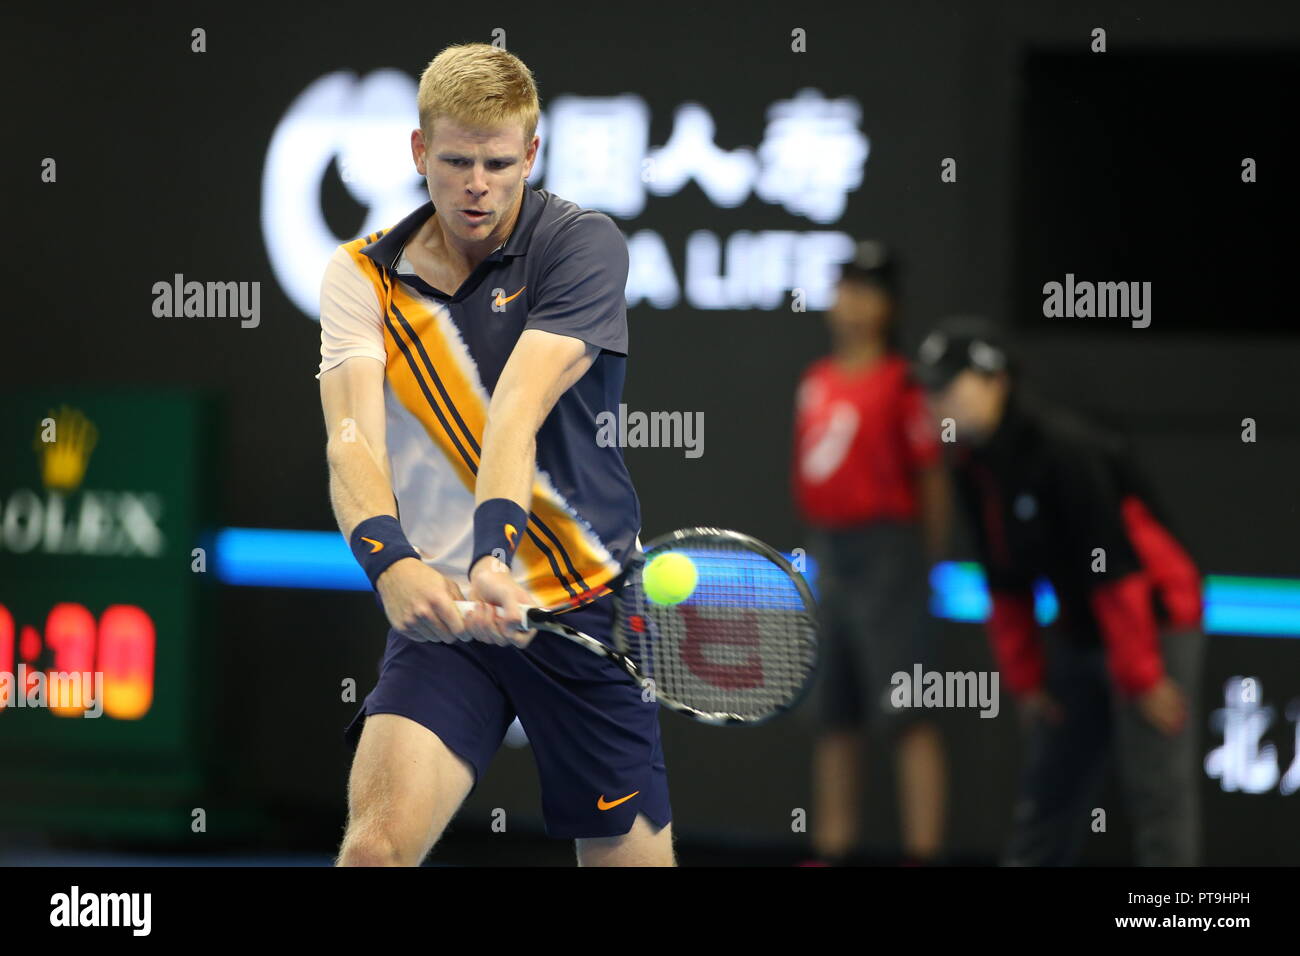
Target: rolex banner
103	573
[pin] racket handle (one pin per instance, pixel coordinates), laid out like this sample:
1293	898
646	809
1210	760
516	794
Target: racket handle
522	624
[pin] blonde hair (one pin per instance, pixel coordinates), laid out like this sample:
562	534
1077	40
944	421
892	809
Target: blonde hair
478	85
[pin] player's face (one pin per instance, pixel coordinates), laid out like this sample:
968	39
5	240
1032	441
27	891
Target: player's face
974	401
475	176
861	310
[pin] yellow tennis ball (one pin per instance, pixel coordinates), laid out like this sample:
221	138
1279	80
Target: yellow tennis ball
669	578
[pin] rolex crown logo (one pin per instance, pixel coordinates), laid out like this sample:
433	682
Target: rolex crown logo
63	443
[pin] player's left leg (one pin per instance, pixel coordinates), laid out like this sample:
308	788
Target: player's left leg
595	739
644	845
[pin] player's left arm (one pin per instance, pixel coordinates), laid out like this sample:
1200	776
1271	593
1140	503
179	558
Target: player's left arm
578	310
541	368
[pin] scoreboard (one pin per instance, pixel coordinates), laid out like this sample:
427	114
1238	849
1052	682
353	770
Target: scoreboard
104	511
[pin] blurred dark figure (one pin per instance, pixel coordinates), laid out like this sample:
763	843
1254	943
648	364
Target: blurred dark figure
1050	496
867	475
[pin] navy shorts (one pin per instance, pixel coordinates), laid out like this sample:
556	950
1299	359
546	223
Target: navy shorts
595	741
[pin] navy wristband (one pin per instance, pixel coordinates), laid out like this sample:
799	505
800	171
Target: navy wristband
499	523
377	543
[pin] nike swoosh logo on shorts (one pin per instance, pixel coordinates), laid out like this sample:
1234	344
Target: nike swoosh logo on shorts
603	804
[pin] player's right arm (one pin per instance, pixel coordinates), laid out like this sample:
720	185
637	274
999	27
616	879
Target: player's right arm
351	397
418	600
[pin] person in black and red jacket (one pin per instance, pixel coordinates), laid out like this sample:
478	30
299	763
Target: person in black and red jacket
1050	496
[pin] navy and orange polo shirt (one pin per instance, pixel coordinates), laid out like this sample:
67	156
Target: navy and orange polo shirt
562	270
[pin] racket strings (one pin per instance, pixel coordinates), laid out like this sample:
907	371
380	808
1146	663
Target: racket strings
743	644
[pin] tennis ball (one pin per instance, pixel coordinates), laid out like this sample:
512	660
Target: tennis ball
669	578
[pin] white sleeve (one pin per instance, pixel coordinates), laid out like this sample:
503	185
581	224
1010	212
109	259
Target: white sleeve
350	320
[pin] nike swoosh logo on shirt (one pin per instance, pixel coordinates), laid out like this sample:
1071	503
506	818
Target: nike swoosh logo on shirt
498	302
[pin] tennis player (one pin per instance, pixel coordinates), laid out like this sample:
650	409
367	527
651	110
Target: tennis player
466	353
1052	496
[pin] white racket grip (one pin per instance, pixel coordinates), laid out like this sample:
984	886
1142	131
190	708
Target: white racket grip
522	624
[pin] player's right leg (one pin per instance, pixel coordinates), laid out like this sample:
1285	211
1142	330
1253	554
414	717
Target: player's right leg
422	738
404	788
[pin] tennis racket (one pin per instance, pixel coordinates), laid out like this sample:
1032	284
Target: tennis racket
740	649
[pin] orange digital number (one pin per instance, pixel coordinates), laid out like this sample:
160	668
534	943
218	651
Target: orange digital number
126	657
7	663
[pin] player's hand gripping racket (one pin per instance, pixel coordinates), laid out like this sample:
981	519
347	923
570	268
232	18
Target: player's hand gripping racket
738	643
